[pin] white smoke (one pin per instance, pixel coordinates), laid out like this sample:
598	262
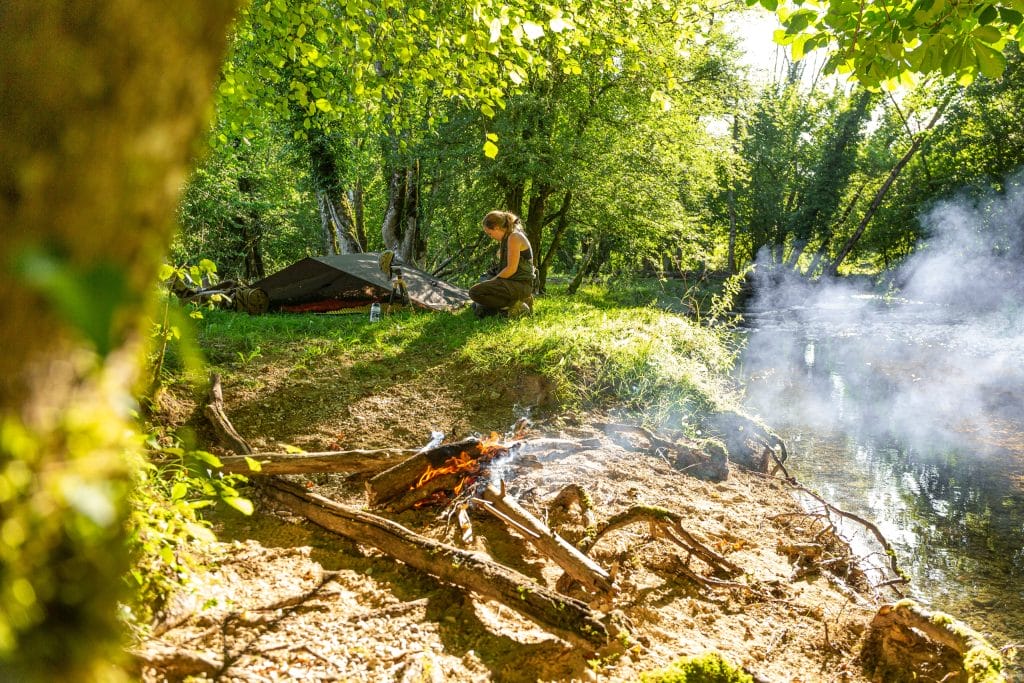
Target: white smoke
938	359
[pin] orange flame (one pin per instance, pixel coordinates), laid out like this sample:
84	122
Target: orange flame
465	463
460	463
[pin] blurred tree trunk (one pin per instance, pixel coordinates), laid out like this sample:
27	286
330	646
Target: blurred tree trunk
102	104
252	231
400	229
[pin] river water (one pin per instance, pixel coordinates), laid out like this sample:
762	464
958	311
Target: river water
912	416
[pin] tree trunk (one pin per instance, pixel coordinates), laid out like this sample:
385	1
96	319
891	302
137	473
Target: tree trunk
534	226
514	197
584	266
556	242
731	198
102	105
884	189
336	216
252	232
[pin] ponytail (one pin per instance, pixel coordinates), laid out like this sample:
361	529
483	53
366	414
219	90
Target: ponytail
506	220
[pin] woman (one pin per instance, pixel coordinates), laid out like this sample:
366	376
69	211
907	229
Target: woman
511	290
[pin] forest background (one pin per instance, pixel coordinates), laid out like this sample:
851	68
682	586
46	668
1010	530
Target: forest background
625	134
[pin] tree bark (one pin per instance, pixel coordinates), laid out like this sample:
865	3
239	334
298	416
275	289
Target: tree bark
561	615
551	545
101	103
556	241
356	461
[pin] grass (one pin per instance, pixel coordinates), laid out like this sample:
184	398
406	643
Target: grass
621	345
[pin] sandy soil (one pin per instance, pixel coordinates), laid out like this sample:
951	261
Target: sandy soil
284	600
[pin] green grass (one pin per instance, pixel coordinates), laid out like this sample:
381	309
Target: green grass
621	345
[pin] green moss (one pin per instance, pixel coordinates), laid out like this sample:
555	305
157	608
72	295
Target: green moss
709	667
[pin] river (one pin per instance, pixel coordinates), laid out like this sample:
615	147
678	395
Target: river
912	416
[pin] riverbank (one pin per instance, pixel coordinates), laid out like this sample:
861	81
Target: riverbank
283	599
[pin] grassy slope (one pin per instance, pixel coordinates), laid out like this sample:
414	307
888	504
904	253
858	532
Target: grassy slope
607	347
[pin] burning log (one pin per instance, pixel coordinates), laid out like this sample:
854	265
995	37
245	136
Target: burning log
671	526
565	555
214	411
433	489
408	474
561	615
356	461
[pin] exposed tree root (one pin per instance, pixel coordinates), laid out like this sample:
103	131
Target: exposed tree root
669	525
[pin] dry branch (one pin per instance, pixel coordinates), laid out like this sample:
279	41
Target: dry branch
561	615
671	525
214	412
550	544
356	461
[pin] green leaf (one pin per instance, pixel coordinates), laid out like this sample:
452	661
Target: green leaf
1011	16
179	490
490	150
323	105
988	15
991	61
989	34
254	465
208	458
243	505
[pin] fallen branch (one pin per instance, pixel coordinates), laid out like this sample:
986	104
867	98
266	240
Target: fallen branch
561	615
355	461
576	564
214	412
889	551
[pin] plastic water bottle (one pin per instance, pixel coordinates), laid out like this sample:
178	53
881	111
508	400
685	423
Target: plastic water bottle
374	312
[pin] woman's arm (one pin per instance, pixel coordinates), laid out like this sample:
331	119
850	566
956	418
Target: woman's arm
516	244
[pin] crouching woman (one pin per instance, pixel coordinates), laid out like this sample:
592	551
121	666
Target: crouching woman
511	290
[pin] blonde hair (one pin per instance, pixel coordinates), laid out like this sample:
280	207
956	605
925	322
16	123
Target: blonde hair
505	220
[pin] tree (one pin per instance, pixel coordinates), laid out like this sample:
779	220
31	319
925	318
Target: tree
102	104
886	42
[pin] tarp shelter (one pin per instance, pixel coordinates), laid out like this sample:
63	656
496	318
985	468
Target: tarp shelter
334	282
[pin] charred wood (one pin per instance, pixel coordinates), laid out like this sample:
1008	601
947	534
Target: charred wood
404	476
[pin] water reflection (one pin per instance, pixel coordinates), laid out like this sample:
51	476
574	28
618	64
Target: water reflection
906	422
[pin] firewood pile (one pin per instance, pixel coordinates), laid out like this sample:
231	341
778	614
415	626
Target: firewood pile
466	480
467	487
